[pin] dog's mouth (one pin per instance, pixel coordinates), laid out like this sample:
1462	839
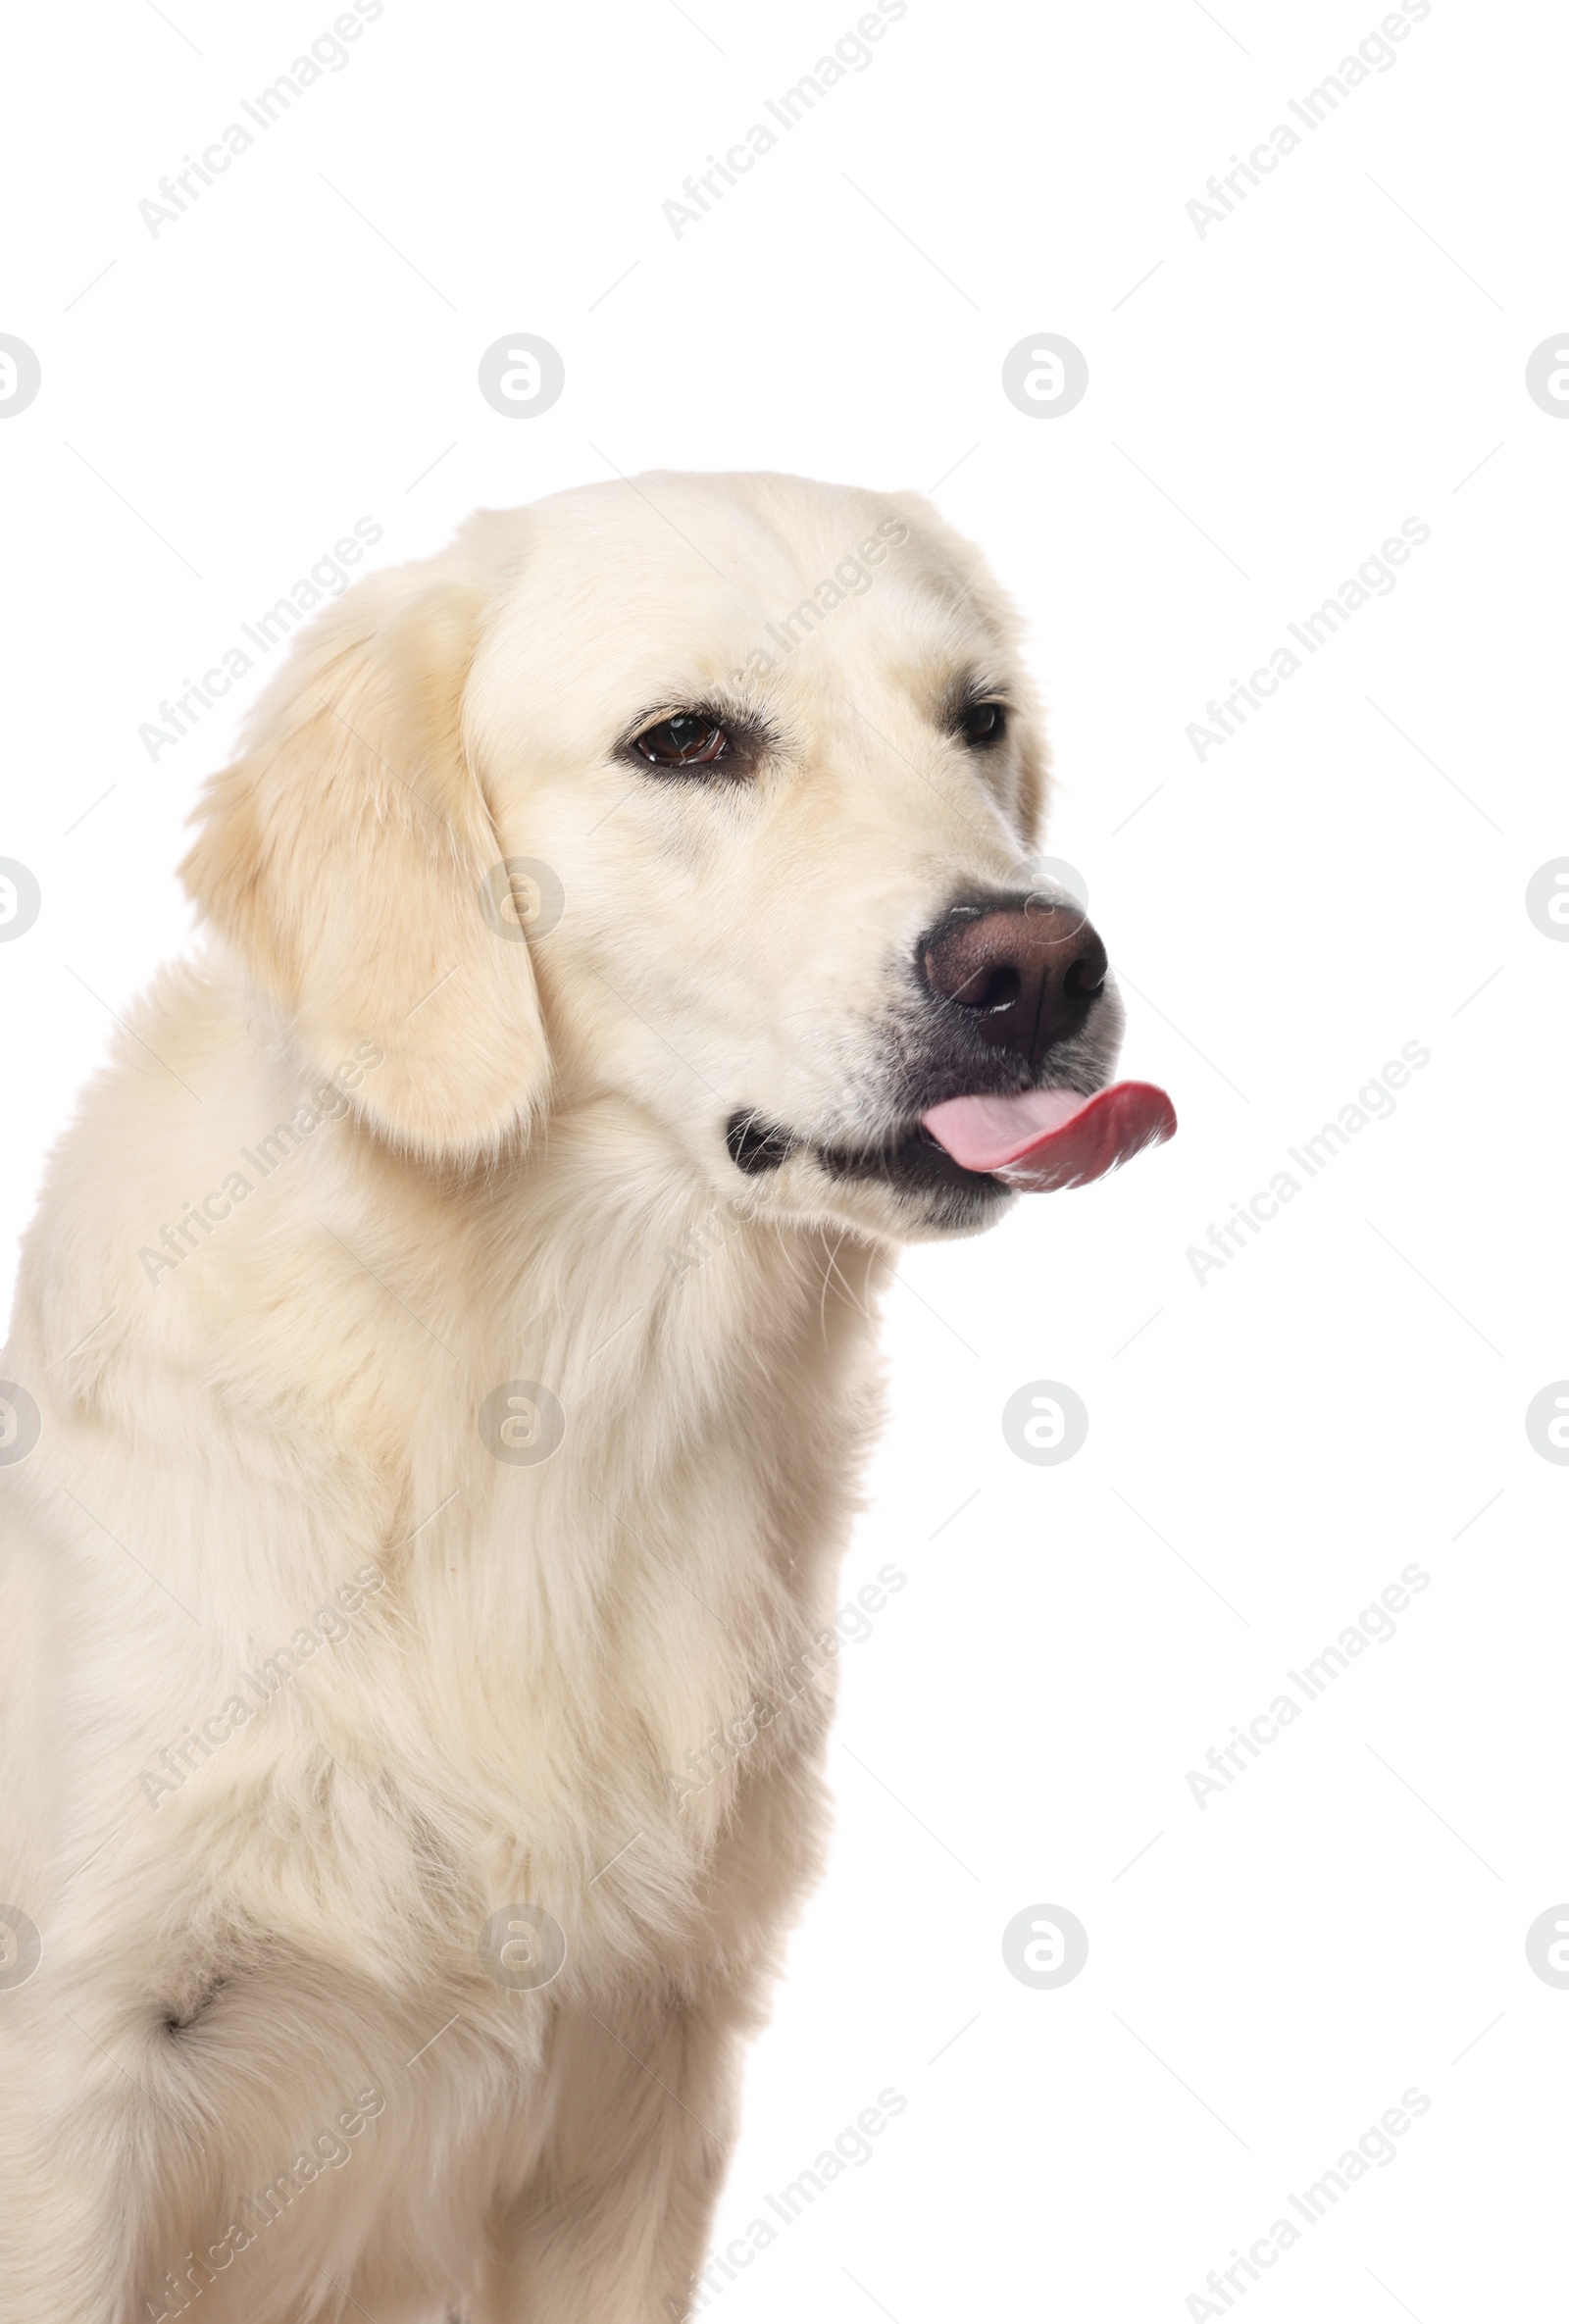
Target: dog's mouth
1035	1142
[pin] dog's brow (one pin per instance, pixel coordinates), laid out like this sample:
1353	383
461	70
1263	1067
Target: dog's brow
976	681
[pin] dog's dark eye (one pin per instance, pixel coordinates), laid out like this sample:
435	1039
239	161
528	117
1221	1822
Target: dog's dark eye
984	723
689	739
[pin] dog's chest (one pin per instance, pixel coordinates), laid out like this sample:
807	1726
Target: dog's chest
606	1693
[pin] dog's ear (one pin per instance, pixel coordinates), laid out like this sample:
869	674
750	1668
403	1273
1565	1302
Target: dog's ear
351	859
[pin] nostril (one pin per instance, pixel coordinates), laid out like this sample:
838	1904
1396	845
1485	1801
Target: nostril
998	988
1084	978
988	986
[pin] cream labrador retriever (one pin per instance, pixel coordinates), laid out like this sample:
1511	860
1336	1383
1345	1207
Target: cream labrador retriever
442	1360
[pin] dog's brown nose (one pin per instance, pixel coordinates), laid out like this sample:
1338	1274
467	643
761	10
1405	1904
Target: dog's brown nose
1025	972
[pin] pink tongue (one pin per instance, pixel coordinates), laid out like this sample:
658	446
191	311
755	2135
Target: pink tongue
1047	1138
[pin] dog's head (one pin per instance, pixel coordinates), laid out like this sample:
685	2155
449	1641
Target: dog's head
709	798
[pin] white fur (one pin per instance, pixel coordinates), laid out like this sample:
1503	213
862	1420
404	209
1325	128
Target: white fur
527	1181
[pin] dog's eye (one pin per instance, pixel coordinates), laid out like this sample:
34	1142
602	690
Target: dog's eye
690	738
984	723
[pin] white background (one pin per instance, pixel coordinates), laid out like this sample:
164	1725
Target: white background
1346	351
